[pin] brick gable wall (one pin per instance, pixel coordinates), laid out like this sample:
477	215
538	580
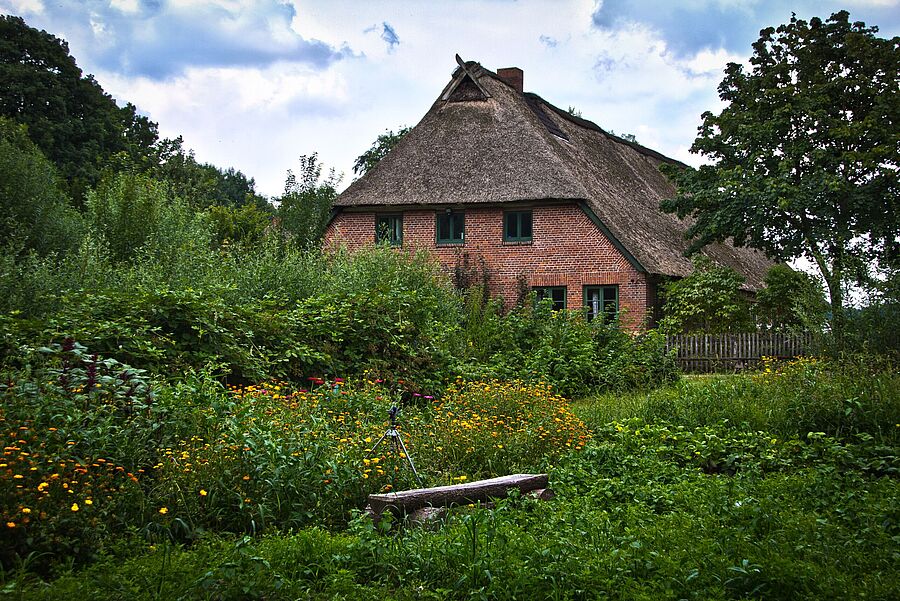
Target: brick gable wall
567	249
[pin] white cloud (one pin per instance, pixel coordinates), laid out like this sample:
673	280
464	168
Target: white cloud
22	7
711	61
253	84
126	6
875	3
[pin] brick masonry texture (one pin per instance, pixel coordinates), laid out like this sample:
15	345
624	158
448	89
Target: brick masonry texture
567	249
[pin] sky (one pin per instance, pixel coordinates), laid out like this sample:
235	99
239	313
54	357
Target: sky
255	84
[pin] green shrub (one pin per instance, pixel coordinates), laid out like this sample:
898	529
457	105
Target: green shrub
131	213
577	357
255	314
707	300
35	214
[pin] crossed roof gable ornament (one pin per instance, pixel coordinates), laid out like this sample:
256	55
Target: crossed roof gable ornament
465	71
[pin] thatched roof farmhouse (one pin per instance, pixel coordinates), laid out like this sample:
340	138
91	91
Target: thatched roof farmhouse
503	183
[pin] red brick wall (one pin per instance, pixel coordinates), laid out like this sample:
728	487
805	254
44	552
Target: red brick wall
567	249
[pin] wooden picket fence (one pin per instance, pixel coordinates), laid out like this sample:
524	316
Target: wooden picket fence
717	353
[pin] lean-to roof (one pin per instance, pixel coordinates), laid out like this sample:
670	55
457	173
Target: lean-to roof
488	143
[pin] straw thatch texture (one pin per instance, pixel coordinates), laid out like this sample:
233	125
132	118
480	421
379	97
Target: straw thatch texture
517	147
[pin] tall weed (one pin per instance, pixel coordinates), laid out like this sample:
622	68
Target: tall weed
838	398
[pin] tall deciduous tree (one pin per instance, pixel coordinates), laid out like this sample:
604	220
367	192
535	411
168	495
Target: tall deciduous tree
72	120
34	212
201	185
805	157
306	205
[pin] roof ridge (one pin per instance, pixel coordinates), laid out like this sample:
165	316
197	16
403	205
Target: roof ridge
580	121
587	124
501	151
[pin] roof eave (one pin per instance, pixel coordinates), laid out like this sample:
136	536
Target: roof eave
611	237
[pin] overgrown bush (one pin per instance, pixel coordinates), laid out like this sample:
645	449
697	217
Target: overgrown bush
535	343
708	300
255	314
36	216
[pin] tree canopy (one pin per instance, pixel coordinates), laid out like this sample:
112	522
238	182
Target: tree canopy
382	145
805	157
87	136
71	119
305	208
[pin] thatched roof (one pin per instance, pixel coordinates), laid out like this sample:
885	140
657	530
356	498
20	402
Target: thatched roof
484	142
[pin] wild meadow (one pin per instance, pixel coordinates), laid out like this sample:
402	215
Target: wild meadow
782	483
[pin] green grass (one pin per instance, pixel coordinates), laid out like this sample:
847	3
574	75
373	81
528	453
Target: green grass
790	399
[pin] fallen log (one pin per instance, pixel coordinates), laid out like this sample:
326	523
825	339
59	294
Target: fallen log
408	501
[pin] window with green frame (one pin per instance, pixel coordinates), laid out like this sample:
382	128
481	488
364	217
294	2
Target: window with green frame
555	294
389	228
601	300
451	227
517	226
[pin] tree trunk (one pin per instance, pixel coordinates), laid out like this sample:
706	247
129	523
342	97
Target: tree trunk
834	279
838	317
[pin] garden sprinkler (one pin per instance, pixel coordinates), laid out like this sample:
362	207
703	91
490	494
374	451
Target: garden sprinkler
396	442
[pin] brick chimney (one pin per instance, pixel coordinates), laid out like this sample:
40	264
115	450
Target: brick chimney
513	76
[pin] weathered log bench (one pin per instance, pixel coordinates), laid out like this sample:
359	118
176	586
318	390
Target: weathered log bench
410	501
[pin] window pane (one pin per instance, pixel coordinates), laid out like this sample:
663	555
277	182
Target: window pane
450	228
592	301
389	228
525	226
511	225
458	226
601	300
555	294
517	226
559	297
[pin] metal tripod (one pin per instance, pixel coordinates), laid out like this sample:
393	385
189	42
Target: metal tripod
396	443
